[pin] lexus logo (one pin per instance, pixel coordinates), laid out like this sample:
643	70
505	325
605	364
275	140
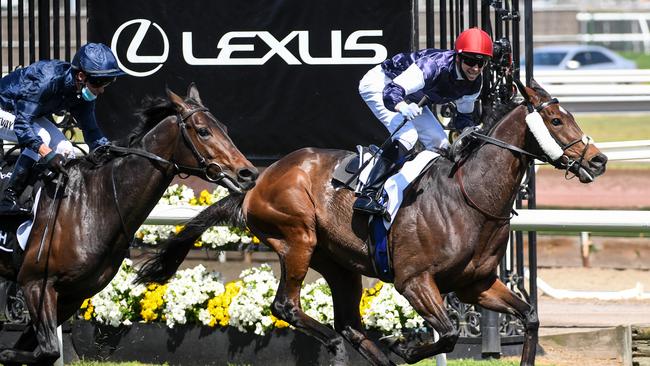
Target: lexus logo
131	52
232	46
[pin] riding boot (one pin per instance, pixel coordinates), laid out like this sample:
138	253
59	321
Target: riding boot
389	158
10	205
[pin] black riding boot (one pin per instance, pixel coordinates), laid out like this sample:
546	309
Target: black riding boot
385	165
9	206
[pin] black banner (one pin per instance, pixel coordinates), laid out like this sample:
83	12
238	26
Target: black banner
280	74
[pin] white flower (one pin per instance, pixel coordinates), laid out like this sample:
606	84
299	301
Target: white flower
188	293
251	308
390	312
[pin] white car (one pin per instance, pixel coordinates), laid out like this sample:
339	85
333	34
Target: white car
578	57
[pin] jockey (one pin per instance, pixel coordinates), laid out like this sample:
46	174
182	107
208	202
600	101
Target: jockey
391	88
30	95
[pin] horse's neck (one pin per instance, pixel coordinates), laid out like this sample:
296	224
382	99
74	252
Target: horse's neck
139	182
494	173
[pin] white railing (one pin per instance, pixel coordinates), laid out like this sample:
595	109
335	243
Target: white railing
526	220
598	90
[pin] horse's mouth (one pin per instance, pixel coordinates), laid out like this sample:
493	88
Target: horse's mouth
236	185
586	174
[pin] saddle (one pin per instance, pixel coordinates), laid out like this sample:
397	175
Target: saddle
346	175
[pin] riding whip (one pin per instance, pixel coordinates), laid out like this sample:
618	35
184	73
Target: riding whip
421	104
51	216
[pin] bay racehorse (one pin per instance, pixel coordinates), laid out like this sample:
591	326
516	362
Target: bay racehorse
103	203
449	235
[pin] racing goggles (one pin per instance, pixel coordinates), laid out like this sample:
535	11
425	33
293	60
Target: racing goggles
473	61
100	81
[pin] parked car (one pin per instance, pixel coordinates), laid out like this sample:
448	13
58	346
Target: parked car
578	57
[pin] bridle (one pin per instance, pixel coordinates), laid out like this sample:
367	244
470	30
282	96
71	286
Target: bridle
212	171
563	162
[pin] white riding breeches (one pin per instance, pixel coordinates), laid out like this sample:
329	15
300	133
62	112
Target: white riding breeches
425	127
51	136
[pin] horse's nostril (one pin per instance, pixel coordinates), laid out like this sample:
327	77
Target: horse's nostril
247	174
600	159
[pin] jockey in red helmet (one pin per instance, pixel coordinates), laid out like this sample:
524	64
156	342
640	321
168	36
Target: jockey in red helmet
392	90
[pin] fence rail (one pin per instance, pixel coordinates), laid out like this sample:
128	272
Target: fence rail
598	90
527	220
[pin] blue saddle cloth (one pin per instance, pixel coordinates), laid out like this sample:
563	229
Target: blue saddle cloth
379	249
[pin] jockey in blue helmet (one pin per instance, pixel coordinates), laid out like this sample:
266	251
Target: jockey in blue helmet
30	95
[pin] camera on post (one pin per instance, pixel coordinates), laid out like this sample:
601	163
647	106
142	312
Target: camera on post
502	53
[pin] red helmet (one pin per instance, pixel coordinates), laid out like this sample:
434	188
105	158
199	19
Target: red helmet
474	40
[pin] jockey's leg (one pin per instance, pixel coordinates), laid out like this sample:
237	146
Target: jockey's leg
431	133
10	205
385	165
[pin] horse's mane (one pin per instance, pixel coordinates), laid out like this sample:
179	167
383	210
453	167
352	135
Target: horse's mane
152	111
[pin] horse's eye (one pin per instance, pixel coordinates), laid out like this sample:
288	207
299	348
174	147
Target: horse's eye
203	132
556	121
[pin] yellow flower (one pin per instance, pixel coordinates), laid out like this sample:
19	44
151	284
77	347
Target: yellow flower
368	296
193	201
178	228
198	244
279	323
205	198
152	302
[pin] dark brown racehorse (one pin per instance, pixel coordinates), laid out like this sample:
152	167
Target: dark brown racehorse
102	207
449	235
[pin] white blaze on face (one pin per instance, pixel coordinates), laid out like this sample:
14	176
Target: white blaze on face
546	142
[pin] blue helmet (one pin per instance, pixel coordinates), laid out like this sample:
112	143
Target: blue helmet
97	61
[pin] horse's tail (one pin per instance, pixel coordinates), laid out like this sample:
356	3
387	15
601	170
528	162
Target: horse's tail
164	264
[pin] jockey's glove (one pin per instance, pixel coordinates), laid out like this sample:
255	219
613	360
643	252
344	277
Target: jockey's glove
408	110
55	162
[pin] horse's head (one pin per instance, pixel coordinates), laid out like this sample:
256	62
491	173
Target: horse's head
206	146
559	137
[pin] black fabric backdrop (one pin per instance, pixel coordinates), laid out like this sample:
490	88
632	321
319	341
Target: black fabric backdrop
270	109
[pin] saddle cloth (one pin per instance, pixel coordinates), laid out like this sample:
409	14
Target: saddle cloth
14	232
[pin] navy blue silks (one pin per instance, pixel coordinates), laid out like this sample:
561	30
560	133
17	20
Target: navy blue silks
41	89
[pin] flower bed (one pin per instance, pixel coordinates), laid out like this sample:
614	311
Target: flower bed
216	237
196	296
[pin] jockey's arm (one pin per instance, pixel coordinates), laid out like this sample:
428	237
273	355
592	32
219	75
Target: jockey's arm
411	80
25	112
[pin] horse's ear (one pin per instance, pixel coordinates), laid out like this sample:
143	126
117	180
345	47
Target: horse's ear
193	93
178	101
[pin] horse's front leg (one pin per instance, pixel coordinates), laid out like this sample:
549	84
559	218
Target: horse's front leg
346	290
294	263
41	303
494	295
423	294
